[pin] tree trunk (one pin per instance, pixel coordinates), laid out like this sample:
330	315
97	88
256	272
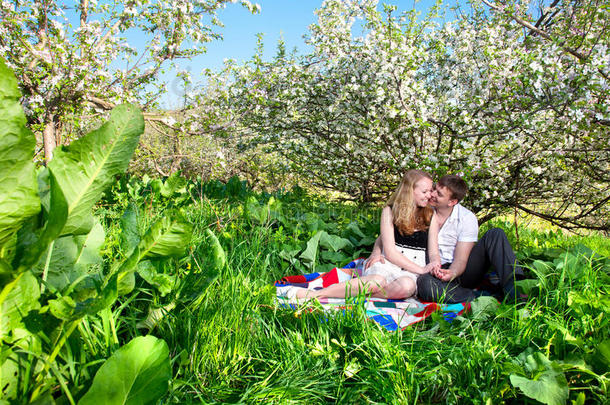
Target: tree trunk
177	158
49	139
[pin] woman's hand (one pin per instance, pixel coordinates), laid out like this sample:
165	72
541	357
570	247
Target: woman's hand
376	255
444	274
374	258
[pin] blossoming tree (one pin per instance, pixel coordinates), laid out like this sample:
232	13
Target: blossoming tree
74	56
513	99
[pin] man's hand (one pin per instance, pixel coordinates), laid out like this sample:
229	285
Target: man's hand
431	267
374	258
444	274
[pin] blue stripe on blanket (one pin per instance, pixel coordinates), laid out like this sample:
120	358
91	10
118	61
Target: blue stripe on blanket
386	321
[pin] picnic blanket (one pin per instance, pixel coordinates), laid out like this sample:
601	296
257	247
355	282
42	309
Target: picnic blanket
390	314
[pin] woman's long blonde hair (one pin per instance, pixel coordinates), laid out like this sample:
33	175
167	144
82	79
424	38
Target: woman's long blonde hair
406	215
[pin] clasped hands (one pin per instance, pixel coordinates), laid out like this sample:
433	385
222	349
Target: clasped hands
438	272
434	268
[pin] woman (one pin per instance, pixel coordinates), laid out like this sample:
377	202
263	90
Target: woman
403	226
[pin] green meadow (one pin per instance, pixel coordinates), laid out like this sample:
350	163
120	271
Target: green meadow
230	343
137	266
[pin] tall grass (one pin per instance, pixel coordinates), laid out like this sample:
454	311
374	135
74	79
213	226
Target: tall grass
233	344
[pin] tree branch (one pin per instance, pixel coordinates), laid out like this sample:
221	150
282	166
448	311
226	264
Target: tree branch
537	30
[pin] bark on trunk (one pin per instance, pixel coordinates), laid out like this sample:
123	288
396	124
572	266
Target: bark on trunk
49	140
177	159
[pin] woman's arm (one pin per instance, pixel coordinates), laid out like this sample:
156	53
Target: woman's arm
376	255
389	246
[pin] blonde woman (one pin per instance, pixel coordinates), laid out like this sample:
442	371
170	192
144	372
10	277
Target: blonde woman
390	272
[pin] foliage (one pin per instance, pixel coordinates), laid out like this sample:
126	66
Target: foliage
234	345
67	56
19	199
53	277
231	344
137	373
512	109
548	383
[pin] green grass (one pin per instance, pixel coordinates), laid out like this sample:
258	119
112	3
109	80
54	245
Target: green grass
229	342
537	239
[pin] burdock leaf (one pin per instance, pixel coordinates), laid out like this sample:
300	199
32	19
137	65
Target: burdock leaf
137	373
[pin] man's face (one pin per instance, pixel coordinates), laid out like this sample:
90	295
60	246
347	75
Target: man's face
441	197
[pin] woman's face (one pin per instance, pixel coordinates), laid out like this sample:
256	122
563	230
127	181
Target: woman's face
422	191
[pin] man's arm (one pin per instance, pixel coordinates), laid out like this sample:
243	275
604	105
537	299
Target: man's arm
434	255
468	230
460	259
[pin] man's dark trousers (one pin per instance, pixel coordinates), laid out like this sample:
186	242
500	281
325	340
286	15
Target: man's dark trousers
492	250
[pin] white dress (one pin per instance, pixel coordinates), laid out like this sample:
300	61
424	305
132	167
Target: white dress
413	247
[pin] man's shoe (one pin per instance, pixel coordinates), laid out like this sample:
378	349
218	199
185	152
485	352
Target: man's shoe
511	295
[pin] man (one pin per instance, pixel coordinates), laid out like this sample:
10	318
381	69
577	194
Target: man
457	261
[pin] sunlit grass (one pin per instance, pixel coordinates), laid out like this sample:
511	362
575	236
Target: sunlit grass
230	343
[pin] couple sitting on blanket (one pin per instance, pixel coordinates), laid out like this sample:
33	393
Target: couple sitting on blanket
428	247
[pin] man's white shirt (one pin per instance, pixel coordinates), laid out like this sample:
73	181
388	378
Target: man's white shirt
461	226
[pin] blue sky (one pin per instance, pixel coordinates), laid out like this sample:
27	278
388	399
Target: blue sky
287	19
278	18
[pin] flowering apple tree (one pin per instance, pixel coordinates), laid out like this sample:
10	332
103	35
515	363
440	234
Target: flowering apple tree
514	99
72	57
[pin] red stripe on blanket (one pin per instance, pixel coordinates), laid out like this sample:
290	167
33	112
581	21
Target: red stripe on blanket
428	309
292	279
330	278
466	308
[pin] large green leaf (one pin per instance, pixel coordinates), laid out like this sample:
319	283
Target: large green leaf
67	309
483	308
15	364
16	300
130	236
170	236
311	251
9	374
137	373
334	242
335	258
542	379
33	242
18	186
165	283
322	238
88	165
6	273
255	211
72	257
174	187
219	257
154	316
600	359
355	229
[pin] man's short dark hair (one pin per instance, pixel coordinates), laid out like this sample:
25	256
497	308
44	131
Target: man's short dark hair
455	184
